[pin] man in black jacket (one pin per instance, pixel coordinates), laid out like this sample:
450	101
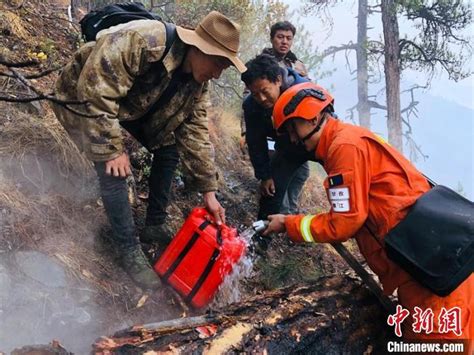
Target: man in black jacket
266	80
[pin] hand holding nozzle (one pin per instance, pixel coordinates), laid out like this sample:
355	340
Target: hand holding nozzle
260	243
260	225
276	224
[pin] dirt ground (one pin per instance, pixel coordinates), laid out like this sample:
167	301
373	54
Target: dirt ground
52	218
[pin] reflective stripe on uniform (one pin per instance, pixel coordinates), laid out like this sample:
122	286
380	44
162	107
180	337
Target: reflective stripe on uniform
305	228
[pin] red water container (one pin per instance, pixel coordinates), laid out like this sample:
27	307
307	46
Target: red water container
199	257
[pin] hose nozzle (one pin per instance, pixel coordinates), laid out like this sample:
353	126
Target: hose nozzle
260	226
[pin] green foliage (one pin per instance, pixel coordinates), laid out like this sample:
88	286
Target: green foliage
189	12
255	18
48	47
439	42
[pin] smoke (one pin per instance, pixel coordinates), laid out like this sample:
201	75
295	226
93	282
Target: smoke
35	309
44	235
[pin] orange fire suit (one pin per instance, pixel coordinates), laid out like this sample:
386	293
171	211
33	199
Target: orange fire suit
371	185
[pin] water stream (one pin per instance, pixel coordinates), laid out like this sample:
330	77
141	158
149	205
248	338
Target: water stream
231	289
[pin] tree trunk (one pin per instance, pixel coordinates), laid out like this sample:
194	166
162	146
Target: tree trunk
392	73
363	107
335	315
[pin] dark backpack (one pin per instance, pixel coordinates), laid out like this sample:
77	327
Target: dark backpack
434	243
112	15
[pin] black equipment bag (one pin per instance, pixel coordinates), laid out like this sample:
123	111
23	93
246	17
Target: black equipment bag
434	243
112	15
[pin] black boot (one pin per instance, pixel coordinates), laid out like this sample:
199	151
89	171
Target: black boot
136	265
160	234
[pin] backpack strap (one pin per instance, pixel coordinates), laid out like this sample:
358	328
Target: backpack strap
135	127
170	37
170	90
298	78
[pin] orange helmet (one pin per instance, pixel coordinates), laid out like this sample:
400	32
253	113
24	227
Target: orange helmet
304	101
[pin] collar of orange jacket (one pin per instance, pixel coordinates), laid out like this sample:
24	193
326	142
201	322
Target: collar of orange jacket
327	136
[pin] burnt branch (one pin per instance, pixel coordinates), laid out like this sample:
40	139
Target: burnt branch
415	149
375	104
26	63
20	99
61	19
348	63
49	97
350	111
163	4
33	76
43	73
331	51
412	91
410	109
10	97
374	9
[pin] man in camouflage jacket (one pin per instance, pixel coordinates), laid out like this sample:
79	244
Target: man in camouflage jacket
126	79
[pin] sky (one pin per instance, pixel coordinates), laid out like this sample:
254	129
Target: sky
445	124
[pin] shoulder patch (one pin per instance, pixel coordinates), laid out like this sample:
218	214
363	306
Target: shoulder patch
335	180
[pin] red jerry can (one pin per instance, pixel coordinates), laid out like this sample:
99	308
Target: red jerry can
199	257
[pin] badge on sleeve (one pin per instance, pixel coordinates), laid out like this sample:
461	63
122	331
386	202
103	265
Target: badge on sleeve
339	196
335	180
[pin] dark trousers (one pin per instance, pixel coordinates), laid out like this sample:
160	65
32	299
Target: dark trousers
163	168
284	171
290	203
114	193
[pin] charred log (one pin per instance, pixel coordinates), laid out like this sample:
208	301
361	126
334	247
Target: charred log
335	315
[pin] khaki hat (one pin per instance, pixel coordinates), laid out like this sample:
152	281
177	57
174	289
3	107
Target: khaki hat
215	35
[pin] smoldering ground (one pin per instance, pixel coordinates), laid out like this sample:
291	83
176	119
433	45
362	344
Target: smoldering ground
41	297
59	274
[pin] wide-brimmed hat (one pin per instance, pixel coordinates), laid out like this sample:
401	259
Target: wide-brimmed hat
215	35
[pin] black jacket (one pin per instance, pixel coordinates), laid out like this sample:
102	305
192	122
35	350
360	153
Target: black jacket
259	126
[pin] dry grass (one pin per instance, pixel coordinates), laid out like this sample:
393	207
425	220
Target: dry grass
224	130
38	160
11	23
23	134
59	228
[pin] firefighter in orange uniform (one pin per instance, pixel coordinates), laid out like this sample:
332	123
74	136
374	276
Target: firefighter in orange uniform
371	187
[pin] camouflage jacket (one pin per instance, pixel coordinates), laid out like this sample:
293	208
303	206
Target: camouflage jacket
121	76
